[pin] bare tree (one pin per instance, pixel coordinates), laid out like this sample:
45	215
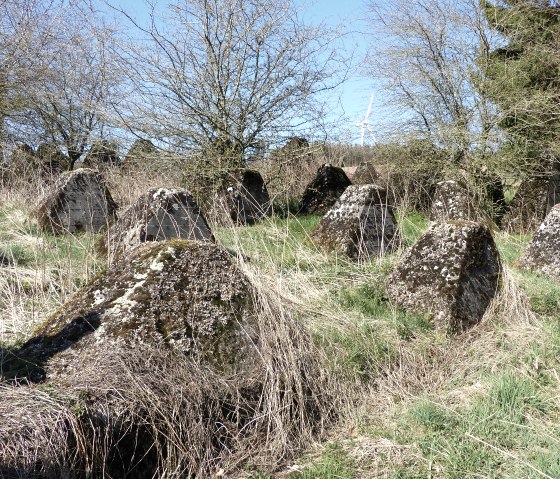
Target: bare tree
26	29
57	74
224	77
80	80
430	61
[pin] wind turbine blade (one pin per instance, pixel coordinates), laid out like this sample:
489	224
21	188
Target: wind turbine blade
369	106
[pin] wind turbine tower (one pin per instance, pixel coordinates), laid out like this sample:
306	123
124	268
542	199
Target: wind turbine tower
364	124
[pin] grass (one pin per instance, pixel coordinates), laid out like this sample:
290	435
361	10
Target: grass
491	410
283	241
488	438
38	271
334	463
485	404
411	225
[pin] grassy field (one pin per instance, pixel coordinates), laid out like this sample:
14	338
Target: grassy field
38	272
420	404
483	404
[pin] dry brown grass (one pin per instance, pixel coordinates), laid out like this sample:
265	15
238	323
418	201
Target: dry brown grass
184	418
149	412
152	414
431	364
128	184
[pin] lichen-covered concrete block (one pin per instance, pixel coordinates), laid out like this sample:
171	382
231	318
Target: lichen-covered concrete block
543	252
78	201
452	201
360	225
322	193
532	202
365	174
452	272
158	215
185	295
244	199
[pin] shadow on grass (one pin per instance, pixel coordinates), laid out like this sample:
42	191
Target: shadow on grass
26	364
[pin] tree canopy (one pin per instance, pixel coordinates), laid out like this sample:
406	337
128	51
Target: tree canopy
523	79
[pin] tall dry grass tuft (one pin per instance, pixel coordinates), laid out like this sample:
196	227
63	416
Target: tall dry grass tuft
150	413
431	364
511	304
39	272
24	189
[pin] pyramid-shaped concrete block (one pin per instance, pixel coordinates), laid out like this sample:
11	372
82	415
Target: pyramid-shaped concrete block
452	273
360	225
158	215
322	193
243	200
452	201
78	201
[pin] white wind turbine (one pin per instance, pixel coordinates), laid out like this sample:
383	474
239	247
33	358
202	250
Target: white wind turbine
364	124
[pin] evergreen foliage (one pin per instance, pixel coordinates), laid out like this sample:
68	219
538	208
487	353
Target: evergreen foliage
523	79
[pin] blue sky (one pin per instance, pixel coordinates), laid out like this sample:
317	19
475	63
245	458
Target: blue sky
355	94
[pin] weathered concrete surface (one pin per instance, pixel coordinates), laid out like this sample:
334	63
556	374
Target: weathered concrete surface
184	295
326	188
452	201
158	215
543	252
452	272
360	225
244	199
166	363
127	331
531	203
365	174
78	201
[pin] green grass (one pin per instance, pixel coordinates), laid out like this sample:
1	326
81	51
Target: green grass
370	300
13	253
411	226
494	414
487	438
359	351
510	247
279	241
503	428
363	338
543	293
40	272
334	463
